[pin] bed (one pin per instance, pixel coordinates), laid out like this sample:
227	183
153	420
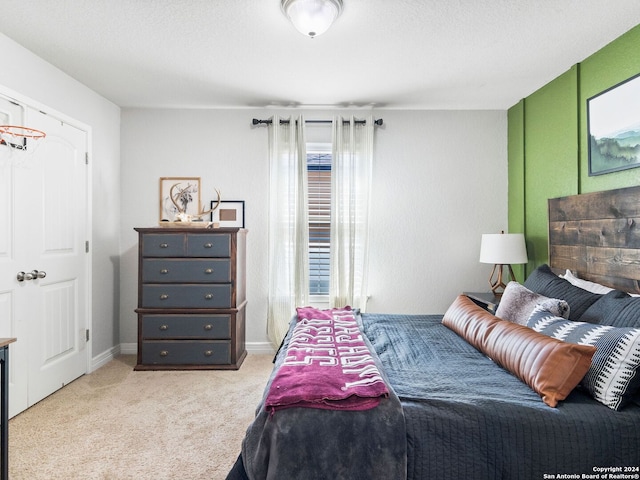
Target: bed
546	388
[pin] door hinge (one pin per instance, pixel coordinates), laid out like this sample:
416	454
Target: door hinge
86	158
87	331
86	246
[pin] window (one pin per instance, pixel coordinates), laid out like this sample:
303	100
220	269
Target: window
319	185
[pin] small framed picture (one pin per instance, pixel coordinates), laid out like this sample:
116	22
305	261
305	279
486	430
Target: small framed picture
230	213
186	197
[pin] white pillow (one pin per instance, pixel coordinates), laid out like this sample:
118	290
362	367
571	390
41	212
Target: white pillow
589	286
585	284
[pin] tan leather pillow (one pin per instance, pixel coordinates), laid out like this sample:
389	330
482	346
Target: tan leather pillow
551	367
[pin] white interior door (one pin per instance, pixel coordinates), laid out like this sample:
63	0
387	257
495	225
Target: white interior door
11	292
48	308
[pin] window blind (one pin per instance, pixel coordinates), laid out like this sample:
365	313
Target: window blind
319	184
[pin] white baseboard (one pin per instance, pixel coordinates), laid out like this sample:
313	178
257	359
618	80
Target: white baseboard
128	349
105	357
260	348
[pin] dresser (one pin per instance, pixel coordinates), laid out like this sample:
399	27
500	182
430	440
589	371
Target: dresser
191	298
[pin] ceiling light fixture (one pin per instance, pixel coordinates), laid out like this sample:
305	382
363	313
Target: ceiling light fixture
312	17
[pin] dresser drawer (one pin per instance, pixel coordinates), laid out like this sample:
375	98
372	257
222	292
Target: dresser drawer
163	245
208	245
186	296
186	326
169	270
186	353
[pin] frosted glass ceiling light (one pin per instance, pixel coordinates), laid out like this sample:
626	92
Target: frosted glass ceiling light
312	17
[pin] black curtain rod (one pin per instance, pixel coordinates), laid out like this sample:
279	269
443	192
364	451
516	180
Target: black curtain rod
377	122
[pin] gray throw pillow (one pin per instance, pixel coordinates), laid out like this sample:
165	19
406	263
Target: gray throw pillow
543	281
517	303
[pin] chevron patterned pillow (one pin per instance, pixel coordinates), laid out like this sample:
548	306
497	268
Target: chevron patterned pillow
614	375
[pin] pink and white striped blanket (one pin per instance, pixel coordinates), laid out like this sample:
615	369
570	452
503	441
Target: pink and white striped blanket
327	365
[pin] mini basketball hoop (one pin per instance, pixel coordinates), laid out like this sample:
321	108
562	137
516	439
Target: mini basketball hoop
20	138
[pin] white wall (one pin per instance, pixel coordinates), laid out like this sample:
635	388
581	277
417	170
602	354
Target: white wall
440	181
37	80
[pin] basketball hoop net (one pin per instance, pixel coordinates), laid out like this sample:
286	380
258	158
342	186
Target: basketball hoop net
15	138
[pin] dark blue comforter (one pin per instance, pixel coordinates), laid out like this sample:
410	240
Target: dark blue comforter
464	417
468	418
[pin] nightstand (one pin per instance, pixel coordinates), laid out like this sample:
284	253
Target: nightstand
486	300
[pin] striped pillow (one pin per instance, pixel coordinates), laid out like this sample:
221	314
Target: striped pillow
614	375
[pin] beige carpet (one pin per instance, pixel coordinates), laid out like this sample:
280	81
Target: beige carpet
119	424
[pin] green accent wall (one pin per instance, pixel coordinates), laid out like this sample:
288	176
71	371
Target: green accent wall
551	159
515	119
548	152
617	62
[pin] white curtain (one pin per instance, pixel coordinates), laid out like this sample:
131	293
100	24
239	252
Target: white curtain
351	172
288	225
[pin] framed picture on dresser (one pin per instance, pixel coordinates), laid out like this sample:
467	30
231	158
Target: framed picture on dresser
230	213
186	193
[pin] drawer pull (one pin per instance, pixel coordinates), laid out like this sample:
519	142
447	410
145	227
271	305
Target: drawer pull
208	271
164	245
164	296
208	296
164	353
208	353
208	245
208	327
164	327
164	271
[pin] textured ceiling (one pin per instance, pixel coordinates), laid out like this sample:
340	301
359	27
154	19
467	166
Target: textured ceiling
426	54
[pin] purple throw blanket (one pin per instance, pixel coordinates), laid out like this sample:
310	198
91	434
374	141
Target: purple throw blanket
327	365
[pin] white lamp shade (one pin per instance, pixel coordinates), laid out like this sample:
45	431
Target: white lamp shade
503	248
312	17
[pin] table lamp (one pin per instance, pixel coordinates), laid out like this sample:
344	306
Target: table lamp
502	249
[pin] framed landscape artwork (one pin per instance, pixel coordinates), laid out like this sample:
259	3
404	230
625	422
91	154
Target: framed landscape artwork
613	121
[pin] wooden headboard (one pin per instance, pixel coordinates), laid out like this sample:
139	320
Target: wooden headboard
597	236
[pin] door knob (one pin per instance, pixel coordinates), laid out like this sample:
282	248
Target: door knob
38	274
32	275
